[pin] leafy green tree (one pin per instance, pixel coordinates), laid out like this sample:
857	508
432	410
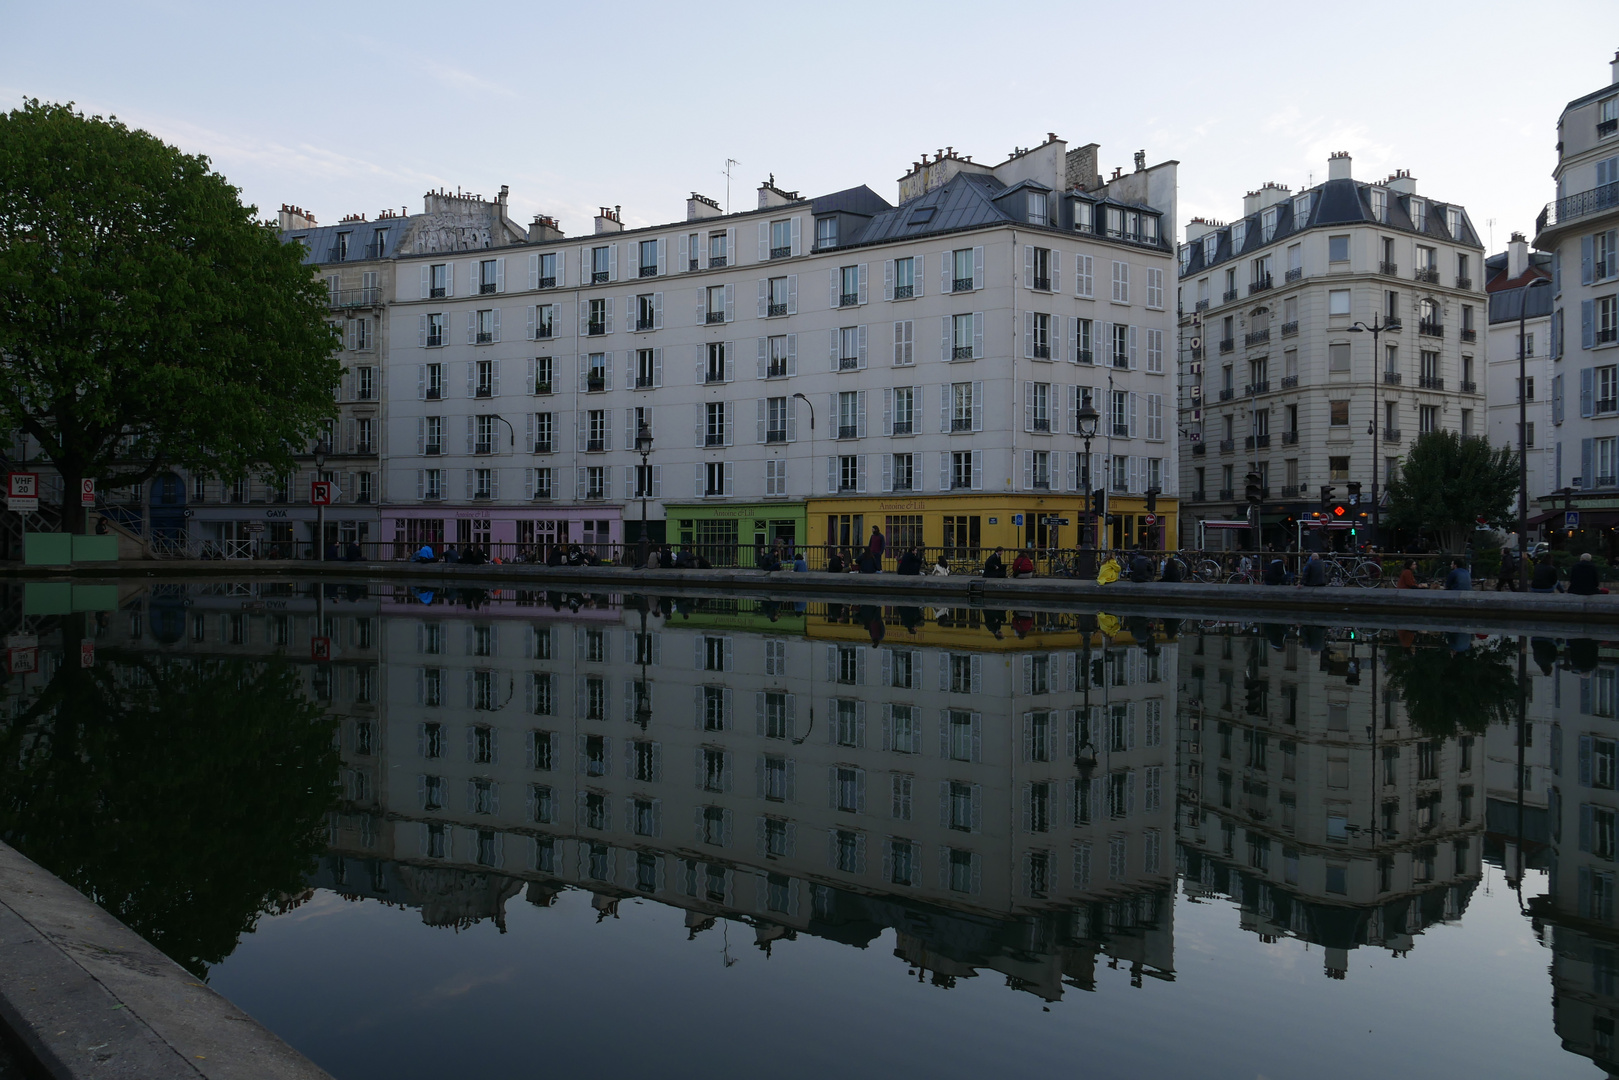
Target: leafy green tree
147	320
186	796
1448	481
1449	692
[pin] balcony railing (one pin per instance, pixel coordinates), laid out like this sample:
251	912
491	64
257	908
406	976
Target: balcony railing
1391	435
776	370
1226	494
598	277
848	363
485	337
1228	393
1290	329
715	262
902	427
643	382
542	446
1228	296
433	449
715	317
780	252
1429	274
543	332
595	493
435	340
1200	449
542	493
644	324
1259	284
1607	127
1227	344
1042	423
542	389
548	282
961	284
1201	305
1469	386
848	299
595	329
648	271
1469	335
486	287
848	431
1085	356
1042	284
1431	329
1392	378
484	390
1290	491
436	292
1256	337
1121	360
713	375
1260	387
1294	274
1464	283
774	311
1200	496
594	383
904	292
776	435
714	438
1391	269
483	448
1431	382
1227	445
356	298
1582	204
961	423
961	352
1289	382
1290	438
1042	352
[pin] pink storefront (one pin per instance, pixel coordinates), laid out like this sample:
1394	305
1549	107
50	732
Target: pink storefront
505	531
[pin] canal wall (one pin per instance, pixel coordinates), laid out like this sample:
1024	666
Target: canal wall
84	996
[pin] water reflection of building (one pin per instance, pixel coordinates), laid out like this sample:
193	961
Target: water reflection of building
1307	798
1569	772
764	764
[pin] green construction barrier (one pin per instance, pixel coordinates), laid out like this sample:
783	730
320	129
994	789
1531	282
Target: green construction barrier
47	549
95	549
47	597
95	597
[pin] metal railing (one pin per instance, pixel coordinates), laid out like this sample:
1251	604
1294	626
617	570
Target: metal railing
781	252
648	271
1201	305
848	363
1042	352
644	324
962	284
1464	283
775	311
598	277
548	282
1085	356
1290	329
595	329
1469	335
1294	274
1289	382
1431	329
1228	296
715	317
1429	274
1290	438
355	298
1431	382
1469	386
714	377
904	292
643	382
1260	284
961	423
961	352
1260	387
1226	494
1042	284
1228	393
848	299
1227	344
716	262
1391	435
1256	337
1390	269
1583	204
848	431
1227	445
1392	378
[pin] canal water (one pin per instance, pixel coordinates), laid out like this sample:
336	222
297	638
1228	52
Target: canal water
445	832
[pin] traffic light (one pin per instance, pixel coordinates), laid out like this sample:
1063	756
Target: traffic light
1354	494
1326	496
1096	501
1152	500
1254	692
1253	489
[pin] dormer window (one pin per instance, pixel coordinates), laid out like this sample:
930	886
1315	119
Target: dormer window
1084	216
1301	210
1380	205
1037	208
1211	247
1419	215
1239	236
1149	228
1453	221
826	233
1267	224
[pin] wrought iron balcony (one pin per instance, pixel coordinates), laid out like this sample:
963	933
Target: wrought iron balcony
1085	356
1290	329
774	311
902	427
1431	382
644	324
1121	360
484	390
595	493
486	287
1607	127
714	375
542	446
595	383
715	262
1228	393
543	332
776	435
1294	274
1392	269
1431	329
714	438
1201	305
1042	284
1042	352
961	352
1200	496
1469	386
485	337
848	363
904	292
1230	295
1121	430
1260	387
1227	445
1391	435
1260	284
1290	438
598	277
1200	449
1256	337
1290	491
483	448
436	292
1226	494
1429	274
1583	204
1042	423
961	284
1469	335
543	389
648	271
433	449
1464	283
542	493
780	252
548	282
355	298
1289	382
434	340
643	382
695	263
848	299
595	329
777	369
715	317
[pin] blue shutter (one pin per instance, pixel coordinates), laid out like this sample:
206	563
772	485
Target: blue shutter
1585	761
1585	826
1587	391
1588	327
1587	465
1586	260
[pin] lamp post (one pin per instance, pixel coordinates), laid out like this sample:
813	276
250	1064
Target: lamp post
321	450
643	446
1087	419
1523	430
1376	329
826	552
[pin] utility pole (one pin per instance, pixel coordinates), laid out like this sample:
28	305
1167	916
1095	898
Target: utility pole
728	163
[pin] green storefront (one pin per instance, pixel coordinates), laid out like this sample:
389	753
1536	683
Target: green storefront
730	535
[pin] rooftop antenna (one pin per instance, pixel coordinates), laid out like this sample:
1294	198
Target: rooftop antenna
728	163
1490	224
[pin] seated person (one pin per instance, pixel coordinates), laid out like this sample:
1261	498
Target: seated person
1023	566
993	566
1583	579
1140	567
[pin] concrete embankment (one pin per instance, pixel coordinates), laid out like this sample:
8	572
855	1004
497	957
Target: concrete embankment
86	997
1557	614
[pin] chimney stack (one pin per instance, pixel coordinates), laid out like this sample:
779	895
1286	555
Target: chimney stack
1613	65
1338	166
699	207
544	228
607	221
1517	256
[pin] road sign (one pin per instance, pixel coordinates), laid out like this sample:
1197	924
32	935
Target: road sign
320	648
1571	519
255	526
22	661
87	492
87	653
22	492
320	493
1017	519
1150	520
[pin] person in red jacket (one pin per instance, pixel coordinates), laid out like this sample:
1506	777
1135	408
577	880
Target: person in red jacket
876	544
1023	566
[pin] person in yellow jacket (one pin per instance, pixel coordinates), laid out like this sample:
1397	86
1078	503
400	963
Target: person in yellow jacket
1109	572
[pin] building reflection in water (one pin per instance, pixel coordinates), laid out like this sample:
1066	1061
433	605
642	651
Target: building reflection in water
1008	792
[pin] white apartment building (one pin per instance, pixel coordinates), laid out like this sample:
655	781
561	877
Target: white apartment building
1277	382
938	349
1581	232
1510	279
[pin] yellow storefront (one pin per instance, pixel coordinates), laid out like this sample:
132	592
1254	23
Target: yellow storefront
979	522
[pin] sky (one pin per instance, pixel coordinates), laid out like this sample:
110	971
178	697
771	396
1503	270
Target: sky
356	107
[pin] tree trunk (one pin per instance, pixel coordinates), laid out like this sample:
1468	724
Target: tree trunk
72	511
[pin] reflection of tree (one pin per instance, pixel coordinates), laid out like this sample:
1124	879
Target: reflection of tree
1447	692
187	797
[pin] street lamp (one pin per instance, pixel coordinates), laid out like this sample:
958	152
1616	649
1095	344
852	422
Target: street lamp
1087	419
1376	329
643	446
1523	431
321	450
